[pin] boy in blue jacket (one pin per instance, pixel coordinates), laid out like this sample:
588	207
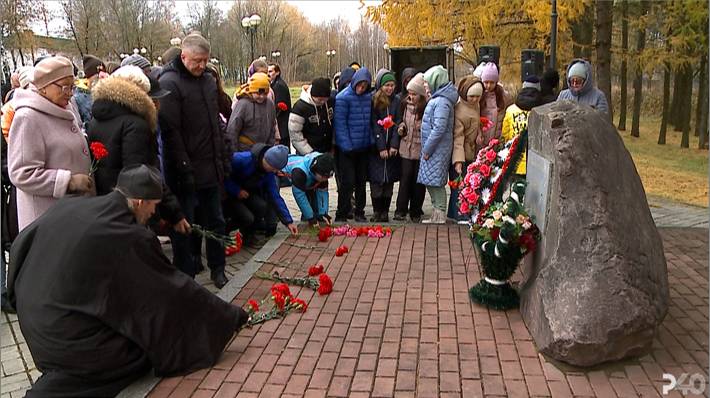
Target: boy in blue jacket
309	178
353	139
253	191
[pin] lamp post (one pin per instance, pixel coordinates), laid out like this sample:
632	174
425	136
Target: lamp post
250	24
275	55
330	54
553	35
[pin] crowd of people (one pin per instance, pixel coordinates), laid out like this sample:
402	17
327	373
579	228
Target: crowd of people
179	151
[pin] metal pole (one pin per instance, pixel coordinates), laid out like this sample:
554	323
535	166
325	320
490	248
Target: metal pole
553	36
251	36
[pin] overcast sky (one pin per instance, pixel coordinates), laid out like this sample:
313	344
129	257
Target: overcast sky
315	11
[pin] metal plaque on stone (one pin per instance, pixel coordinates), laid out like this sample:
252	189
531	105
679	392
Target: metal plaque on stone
538	190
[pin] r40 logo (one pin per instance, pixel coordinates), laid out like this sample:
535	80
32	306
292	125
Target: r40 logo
694	384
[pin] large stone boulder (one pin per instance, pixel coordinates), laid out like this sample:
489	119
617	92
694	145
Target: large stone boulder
597	289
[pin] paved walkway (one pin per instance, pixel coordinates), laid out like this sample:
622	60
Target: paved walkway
18	369
400	323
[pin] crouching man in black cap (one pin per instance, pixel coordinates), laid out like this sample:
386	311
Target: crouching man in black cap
98	302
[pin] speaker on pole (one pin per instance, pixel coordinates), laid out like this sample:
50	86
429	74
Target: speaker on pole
489	54
532	63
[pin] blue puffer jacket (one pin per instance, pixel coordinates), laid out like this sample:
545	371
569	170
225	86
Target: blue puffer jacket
298	167
438	136
352	115
248	174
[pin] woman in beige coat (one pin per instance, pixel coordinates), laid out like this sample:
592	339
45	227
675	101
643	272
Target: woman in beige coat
48	156
468	138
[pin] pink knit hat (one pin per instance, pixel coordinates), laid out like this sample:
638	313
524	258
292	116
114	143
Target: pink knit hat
490	72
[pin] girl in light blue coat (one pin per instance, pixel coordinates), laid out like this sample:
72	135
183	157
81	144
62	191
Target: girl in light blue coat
437	140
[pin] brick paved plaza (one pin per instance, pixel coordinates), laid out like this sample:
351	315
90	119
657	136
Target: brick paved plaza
399	323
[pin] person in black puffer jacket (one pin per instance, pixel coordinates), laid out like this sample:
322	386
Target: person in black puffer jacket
124	120
311	120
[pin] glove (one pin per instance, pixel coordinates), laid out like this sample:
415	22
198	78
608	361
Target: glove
80	183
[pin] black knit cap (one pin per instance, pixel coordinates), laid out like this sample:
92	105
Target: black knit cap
140	182
323	165
320	87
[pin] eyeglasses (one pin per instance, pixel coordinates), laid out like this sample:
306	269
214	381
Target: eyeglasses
577	81
66	90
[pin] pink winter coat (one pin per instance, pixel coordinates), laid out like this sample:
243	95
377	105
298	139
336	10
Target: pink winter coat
46	147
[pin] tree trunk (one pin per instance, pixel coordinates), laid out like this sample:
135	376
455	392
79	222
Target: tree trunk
603	24
666	96
624	54
638	79
583	34
702	106
687	93
674	118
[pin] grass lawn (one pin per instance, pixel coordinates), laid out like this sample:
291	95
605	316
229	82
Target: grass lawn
667	171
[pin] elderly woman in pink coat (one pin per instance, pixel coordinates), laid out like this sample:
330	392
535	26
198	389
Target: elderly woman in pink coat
48	156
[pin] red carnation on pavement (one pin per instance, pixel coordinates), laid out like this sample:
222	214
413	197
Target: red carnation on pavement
315	270
253	306
325	284
282	289
341	250
300	304
279	300
324	234
282	106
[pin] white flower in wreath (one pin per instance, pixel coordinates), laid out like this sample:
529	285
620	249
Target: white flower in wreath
496	173
520	219
485	195
503	153
489	223
527	225
497	215
474	215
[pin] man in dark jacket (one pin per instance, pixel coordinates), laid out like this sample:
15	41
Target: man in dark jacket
282	95
111	305
311	121
193	147
548	86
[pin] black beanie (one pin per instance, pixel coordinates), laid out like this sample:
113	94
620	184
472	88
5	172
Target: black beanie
323	165
320	87
92	65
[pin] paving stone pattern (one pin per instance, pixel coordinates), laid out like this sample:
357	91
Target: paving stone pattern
399	323
688	288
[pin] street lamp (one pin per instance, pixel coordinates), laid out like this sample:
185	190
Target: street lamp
330	54
143	50
123	55
250	24
136	51
275	54
175	41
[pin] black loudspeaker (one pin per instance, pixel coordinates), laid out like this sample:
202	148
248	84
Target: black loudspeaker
489	54
532	63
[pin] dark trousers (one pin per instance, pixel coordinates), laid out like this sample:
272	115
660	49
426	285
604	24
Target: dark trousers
353	177
381	196
410	197
251	214
184	256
